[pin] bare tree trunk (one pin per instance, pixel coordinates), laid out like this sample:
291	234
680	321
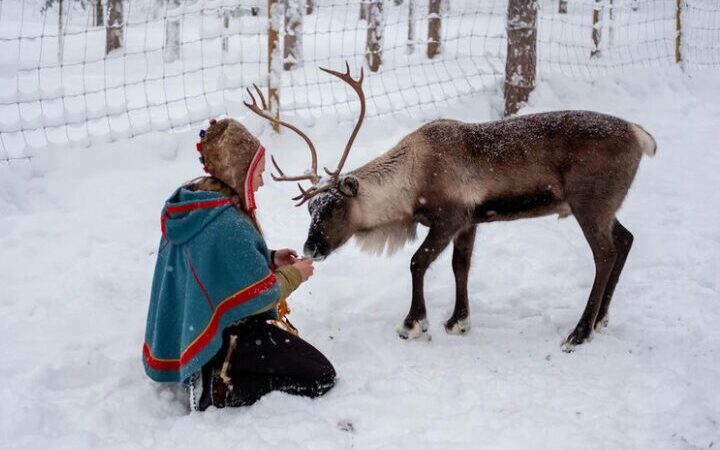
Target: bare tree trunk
678	35
226	25
114	26
597	28
293	44
172	32
375	32
310	7
434	24
61	33
611	24
521	53
411	27
275	22
99	13
562	6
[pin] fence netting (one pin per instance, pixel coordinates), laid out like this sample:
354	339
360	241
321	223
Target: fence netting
77	72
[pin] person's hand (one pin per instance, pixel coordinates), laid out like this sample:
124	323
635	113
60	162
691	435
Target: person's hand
305	267
284	257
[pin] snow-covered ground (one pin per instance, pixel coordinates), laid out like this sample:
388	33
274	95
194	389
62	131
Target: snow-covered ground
78	231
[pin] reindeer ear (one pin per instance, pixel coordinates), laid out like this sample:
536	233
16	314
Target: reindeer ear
349	186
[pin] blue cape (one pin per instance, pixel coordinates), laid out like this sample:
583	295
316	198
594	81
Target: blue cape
213	269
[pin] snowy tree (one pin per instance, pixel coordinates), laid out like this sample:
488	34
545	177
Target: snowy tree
114	26
521	53
61	29
276	16
375	32
597	27
411	27
434	24
364	9
293	45
61	32
98	19
226	25
172	32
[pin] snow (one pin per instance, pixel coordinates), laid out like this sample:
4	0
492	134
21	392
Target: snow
79	228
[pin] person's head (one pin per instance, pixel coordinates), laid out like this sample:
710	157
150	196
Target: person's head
234	156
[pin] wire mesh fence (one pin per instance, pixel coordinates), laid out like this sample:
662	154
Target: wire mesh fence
82	71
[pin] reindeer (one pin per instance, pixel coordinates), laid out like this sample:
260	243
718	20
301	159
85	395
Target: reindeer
451	176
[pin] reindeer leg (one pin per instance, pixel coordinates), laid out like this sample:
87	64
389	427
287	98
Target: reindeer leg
438	238
598	233
459	322
623	242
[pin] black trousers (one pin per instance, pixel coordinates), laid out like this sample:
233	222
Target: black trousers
263	358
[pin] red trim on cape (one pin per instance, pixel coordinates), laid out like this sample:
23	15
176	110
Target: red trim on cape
211	329
206	204
197	279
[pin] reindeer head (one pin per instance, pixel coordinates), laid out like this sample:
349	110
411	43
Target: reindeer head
330	224
331	198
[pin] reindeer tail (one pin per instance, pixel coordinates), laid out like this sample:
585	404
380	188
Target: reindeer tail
645	140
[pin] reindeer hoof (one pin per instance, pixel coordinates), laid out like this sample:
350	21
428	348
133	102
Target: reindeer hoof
601	323
577	337
415	330
457	327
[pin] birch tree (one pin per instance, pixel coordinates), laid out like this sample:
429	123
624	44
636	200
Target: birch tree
293	44
375	35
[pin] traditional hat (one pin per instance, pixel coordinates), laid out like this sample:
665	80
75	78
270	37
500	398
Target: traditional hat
230	154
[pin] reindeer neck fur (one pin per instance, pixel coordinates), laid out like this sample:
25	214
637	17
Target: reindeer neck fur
382	213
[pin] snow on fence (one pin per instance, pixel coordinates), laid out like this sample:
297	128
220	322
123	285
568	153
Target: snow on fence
81	71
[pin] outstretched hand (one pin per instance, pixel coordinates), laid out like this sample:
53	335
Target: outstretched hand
285	257
305	267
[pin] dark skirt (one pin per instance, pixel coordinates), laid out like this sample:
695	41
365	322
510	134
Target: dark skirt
259	358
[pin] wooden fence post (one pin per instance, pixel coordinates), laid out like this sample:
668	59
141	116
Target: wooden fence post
375	31
434	24
293	44
521	60
114	26
275	21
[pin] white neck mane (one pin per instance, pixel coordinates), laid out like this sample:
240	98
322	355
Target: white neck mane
383	210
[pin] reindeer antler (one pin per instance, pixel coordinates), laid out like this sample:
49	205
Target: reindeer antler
312	175
263	112
357	86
